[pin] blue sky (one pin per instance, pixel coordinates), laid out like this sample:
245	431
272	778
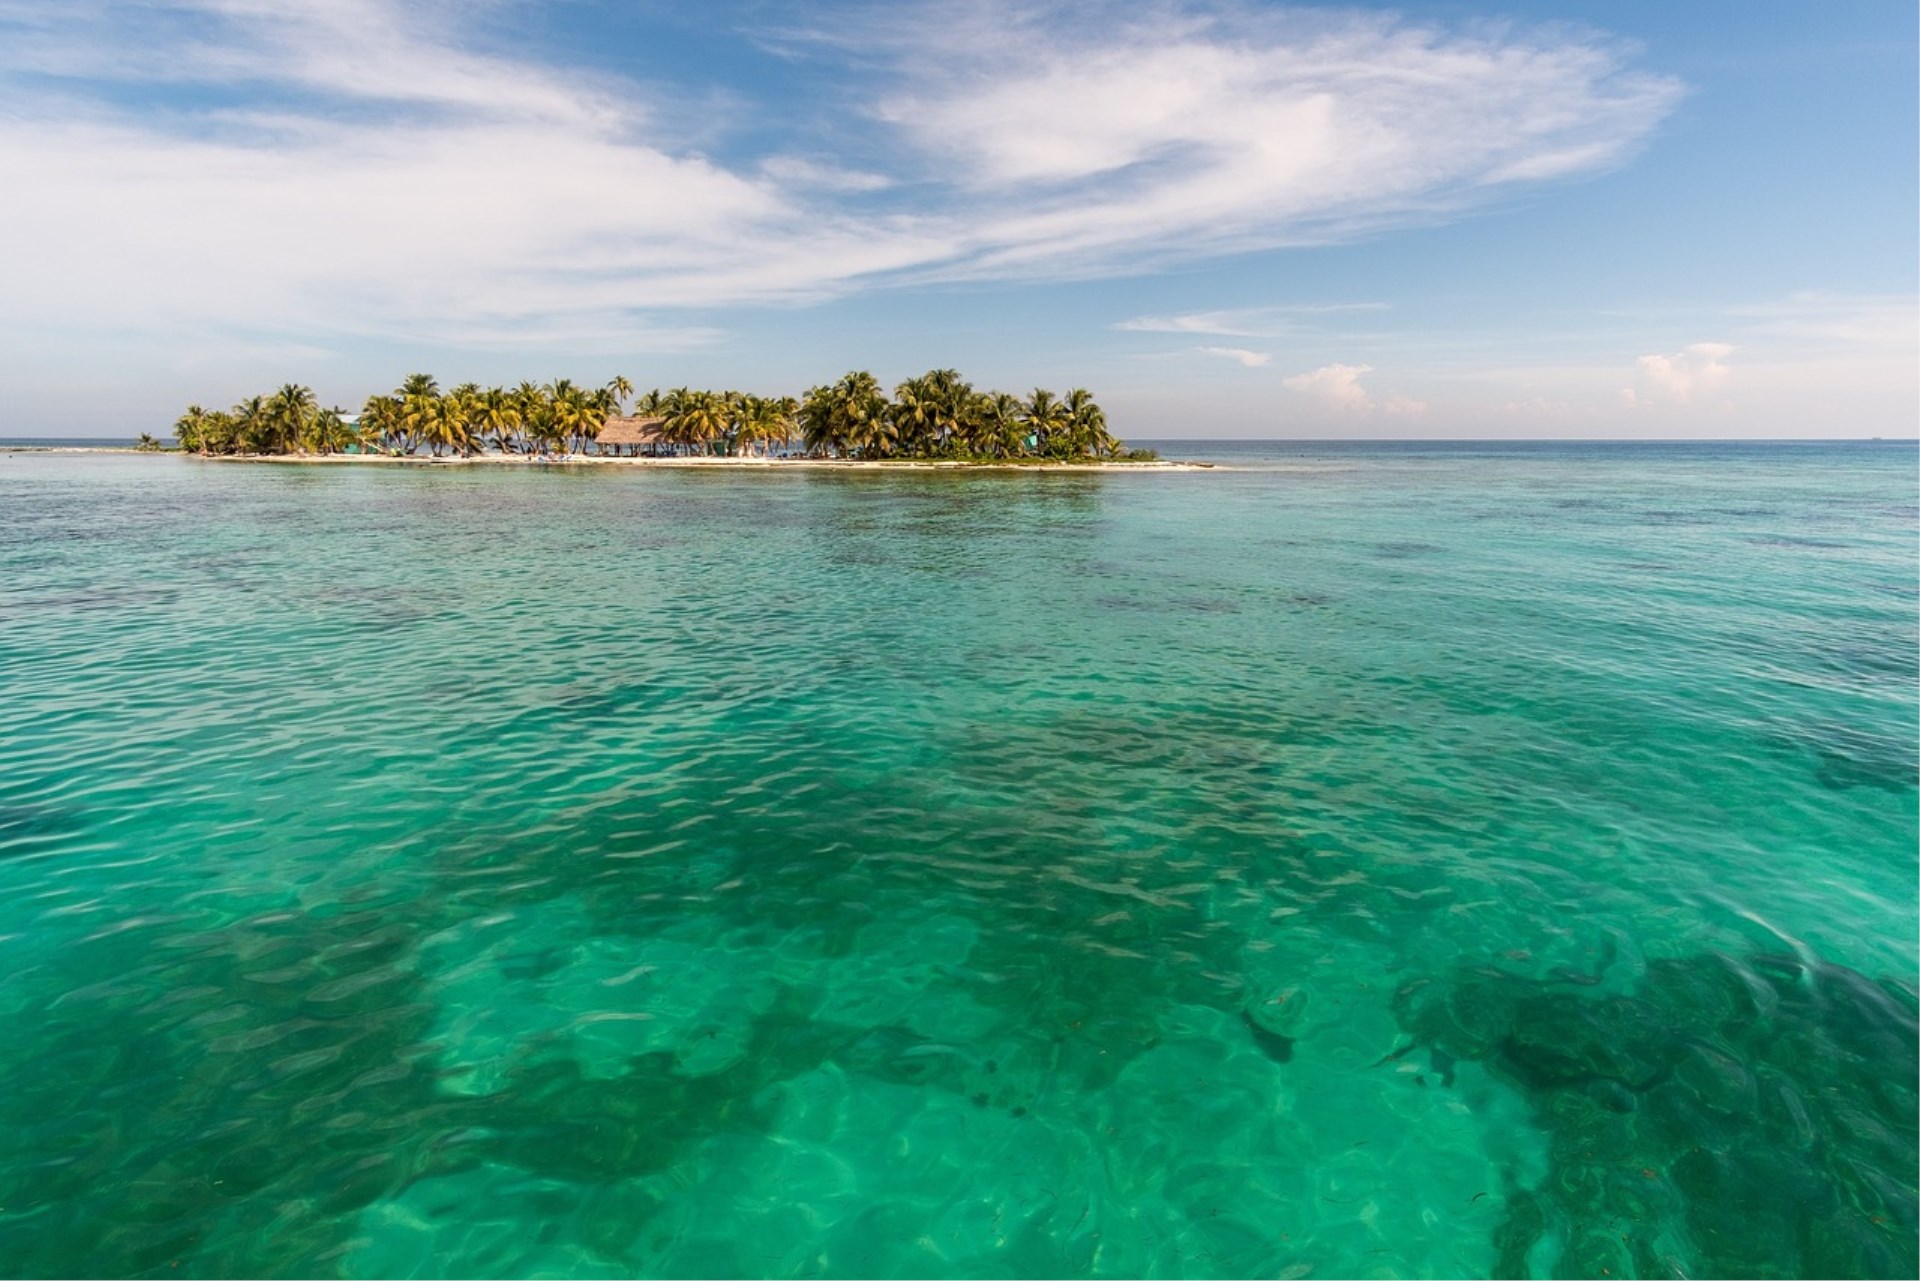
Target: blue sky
1228	219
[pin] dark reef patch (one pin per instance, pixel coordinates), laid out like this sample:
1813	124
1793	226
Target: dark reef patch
1729	1118
1795	543
1272	1044
1847	757
26	829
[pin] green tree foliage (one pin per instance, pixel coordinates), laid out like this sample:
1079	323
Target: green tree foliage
497	419
937	415
331	433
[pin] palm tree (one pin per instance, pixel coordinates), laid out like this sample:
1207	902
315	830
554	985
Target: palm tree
578	413
784	412
725	420
403	432
994	425
869	424
563	406
1046	421
618	389
250	425
537	416
190	429
915	416
427	418
696	419
383	425
330	431
850	417
496	416
939	400
220	433
460	408
672	401
605	404
820	423
1088	425
760	421
423	415
282	423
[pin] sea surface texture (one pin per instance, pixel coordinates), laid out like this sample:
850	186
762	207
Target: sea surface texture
1378	861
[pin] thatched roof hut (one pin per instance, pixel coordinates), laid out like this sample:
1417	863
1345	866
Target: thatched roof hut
641	433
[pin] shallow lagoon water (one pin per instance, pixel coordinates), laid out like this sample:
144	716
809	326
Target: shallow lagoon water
1369	861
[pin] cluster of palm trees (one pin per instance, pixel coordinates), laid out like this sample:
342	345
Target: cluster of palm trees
559	417
415	416
288	421
940	415
725	422
937	415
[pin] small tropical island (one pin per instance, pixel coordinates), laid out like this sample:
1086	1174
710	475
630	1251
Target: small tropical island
937	417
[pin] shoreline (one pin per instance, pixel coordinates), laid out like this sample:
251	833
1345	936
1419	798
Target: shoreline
594	460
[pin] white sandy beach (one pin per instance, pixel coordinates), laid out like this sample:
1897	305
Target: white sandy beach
596	460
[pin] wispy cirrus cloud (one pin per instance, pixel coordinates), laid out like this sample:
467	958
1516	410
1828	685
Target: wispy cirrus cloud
1172	131
330	169
799	171
1244	322
1841	321
1251	359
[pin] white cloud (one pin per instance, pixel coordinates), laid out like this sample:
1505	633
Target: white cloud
1251	359
1698	370
1807	365
1800	366
798	171
398	188
1242	322
1188	131
1229	324
373	174
1335	386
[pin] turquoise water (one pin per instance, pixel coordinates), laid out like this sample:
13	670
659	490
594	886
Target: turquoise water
1371	861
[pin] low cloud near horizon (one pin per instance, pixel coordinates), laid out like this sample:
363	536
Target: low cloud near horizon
1696	370
1807	364
1337	387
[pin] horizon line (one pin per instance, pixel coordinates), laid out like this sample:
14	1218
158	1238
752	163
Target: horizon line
1377	440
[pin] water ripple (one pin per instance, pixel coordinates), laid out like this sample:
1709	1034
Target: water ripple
1351	865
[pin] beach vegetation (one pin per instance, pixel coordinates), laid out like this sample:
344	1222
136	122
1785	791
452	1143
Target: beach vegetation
937	415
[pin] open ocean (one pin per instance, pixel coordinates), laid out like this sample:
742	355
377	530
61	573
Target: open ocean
1374	860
